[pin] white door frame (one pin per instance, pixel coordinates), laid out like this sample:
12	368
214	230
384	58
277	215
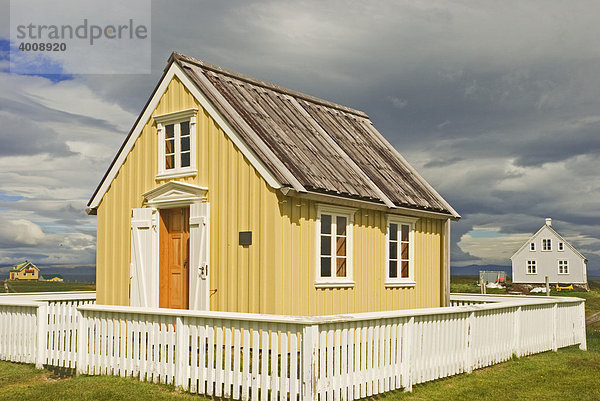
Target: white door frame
167	196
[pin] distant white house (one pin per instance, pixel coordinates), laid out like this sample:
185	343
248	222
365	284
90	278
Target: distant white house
546	253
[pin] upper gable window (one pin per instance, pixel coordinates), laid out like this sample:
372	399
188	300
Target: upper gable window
334	246
532	246
561	246
546	244
400	239
176	144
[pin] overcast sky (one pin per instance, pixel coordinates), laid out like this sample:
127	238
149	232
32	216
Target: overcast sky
495	103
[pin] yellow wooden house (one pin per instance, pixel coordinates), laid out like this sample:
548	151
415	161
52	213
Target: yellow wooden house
234	194
24	271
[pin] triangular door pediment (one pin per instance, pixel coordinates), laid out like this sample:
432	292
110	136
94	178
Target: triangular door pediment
175	193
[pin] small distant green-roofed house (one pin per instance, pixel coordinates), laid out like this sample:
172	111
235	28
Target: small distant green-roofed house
24	271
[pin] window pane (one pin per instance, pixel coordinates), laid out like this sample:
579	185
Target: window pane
325	224
340	223
325	267
185	128
405	229
404	268
170	131
169	146
185	144
185	159
393	232
325	245
170	162
393	250
341	267
404	249
393	269
341	246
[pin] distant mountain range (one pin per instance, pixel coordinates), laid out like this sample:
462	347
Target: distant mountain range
473	270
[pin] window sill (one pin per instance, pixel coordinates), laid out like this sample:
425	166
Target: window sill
176	174
334	284
531	274
400	284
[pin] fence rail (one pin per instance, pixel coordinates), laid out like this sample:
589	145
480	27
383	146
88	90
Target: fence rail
271	357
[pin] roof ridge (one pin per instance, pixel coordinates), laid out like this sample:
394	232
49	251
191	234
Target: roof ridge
255	81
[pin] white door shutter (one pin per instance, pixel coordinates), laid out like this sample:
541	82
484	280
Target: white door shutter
141	257
199	256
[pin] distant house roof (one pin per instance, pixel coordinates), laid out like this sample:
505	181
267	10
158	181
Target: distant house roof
309	144
20	266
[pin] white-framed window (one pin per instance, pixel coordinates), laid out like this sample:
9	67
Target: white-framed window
334	231
546	244
400	251
563	267
176	144
531	267
561	246
532	246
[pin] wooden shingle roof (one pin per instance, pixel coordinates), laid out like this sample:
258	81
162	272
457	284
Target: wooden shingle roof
307	144
327	147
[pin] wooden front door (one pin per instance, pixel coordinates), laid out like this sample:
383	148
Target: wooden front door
174	258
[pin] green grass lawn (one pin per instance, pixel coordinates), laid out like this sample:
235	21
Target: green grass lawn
569	374
41	286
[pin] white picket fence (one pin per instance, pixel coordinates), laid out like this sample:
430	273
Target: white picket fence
270	357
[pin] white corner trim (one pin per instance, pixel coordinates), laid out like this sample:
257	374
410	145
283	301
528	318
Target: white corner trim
175	71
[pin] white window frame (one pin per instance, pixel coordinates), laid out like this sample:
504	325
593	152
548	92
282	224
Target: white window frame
333	281
176	118
532	246
400	281
561	246
532	263
549	245
565	263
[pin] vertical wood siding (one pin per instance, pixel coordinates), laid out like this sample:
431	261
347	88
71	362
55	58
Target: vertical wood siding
276	273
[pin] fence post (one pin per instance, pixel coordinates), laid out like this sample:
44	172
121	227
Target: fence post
554	327
582	332
42	324
310	351
82	342
182	348
469	342
406	366
517	333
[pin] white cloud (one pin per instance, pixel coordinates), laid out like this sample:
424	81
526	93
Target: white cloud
20	232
